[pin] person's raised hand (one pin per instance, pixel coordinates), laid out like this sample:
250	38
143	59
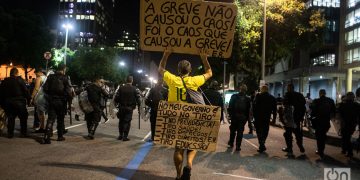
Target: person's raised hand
167	51
203	53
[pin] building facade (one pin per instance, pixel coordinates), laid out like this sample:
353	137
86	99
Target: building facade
91	22
324	68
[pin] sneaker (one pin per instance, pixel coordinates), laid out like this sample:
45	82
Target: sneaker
286	149
120	138
186	173
60	139
262	149
126	139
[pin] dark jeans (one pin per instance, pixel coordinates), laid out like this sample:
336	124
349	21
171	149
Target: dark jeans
262	130
320	134
92	121
153	115
16	108
125	117
236	129
57	110
298	136
346	135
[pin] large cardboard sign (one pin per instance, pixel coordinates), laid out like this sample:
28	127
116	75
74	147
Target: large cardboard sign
187	126
187	26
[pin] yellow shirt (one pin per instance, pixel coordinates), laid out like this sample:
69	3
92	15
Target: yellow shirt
177	90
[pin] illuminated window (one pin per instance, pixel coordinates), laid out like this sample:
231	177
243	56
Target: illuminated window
82	17
71	11
66	0
78	17
70	16
90	40
324	60
66	16
82	34
92	17
71	5
92	1
78	1
61	0
323	3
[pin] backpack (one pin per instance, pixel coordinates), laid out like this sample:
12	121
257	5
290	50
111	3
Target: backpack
193	97
84	102
55	85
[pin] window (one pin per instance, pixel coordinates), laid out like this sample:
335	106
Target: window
71	11
352	3
324	60
71	5
78	17
323	3
92	17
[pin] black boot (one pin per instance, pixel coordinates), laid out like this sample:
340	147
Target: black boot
46	139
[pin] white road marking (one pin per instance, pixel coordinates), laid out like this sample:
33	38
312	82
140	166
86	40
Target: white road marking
71	127
252	144
242	177
147	136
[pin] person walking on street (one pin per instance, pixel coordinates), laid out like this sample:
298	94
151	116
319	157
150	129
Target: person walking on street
58	90
264	105
155	95
239	111
13	97
38	99
322	109
177	92
349	112
126	99
214	97
96	94
295	102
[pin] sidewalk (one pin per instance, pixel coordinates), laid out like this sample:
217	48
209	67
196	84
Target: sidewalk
333	137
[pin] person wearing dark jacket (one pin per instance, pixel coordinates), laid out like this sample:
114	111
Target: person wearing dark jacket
156	94
239	111
126	99
322	109
211	94
96	94
14	97
264	105
349	112
296	101
58	90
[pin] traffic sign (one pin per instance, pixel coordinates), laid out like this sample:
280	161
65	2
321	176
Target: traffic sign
47	55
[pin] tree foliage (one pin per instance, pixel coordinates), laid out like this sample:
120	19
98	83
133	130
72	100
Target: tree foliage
289	26
89	63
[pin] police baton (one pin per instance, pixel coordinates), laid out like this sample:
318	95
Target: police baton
139	116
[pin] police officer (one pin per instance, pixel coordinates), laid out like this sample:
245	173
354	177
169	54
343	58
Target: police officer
211	94
322	109
239	111
96	95
297	101
264	105
126	99
349	112
14	97
156	94
59	91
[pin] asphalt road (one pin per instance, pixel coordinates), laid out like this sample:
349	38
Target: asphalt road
108	158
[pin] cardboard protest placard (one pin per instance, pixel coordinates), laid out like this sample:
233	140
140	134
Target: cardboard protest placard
187	126
187	26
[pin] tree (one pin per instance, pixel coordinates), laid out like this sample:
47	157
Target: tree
89	63
290	26
24	39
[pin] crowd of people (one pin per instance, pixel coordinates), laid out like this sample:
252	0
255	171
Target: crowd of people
293	109
52	94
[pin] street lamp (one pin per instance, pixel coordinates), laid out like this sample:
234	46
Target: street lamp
122	63
263	45
67	27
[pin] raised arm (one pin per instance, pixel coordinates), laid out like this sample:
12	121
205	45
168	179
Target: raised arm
163	61
205	62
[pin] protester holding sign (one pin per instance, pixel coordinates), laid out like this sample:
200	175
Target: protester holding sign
177	92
